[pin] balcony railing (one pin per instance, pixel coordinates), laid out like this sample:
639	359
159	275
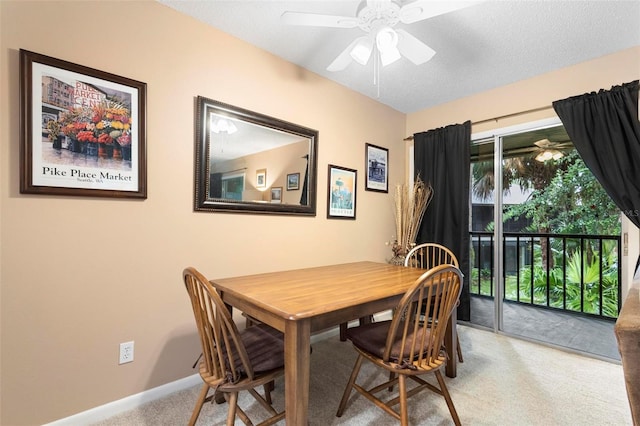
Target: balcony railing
574	273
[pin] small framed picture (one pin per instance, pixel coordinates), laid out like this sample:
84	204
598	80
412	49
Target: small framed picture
276	195
376	163
341	193
83	131
293	181
261	178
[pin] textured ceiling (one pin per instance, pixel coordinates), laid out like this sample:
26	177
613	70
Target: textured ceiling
486	45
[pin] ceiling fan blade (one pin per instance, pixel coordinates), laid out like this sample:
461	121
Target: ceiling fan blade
424	9
525	150
413	49
344	58
564	145
317	20
544	143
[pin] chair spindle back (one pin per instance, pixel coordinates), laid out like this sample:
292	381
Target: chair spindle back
422	341
224	356
428	255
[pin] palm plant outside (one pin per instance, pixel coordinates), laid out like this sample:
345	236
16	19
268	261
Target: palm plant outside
564	198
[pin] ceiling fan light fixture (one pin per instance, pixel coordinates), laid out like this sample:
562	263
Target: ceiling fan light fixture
222	125
543	156
389	56
549	154
386	39
361	52
387	44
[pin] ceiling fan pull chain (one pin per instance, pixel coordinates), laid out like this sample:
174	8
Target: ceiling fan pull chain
376	72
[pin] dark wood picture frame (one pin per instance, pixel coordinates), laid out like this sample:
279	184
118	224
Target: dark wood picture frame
377	168
342	184
293	181
82	130
252	126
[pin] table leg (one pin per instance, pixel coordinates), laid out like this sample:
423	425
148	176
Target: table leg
450	343
297	341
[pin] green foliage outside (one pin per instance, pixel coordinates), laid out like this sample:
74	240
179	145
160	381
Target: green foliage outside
573	202
569	287
567	201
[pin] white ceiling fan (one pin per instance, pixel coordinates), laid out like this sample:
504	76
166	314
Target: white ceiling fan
544	149
551	150
377	19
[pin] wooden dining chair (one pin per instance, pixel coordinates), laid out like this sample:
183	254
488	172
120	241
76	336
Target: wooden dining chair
428	255
232	361
407	346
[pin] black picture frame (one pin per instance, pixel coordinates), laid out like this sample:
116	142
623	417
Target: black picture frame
377	168
82	130
342	185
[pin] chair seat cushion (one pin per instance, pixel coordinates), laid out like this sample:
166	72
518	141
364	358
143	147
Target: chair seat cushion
265	347
372	338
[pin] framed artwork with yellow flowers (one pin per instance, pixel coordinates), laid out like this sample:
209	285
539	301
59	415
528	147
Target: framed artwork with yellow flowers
82	130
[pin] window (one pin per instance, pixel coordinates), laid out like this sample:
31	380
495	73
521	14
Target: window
233	186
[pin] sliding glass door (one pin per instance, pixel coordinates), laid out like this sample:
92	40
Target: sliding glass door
545	241
482	282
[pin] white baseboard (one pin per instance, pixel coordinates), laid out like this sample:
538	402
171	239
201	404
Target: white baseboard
111	409
128	403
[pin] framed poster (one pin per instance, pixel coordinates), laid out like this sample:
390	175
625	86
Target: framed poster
82	131
261	178
293	181
276	194
341	193
376	163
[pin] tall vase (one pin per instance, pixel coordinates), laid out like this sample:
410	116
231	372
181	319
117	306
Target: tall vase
398	255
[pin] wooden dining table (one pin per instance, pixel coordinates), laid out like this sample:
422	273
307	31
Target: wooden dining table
303	301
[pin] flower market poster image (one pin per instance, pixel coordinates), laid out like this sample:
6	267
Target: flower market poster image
86	134
85	130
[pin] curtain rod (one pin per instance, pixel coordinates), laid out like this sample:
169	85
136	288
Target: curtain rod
515	114
236	170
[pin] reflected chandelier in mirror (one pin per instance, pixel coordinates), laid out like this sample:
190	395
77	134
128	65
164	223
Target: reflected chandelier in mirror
242	155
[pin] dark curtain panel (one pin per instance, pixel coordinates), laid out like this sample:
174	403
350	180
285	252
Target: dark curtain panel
305	185
605	130
442	159
215	185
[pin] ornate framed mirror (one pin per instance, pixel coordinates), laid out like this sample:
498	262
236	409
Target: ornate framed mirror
244	161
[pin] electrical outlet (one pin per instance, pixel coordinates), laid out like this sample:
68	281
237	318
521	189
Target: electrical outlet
126	352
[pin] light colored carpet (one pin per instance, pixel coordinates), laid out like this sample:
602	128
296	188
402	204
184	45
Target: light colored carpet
503	381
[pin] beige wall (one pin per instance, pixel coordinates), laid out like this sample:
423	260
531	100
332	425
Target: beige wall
81	275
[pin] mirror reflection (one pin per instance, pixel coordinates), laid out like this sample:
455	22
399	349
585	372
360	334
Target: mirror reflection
249	162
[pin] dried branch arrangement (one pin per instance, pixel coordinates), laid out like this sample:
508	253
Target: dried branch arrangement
410	205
